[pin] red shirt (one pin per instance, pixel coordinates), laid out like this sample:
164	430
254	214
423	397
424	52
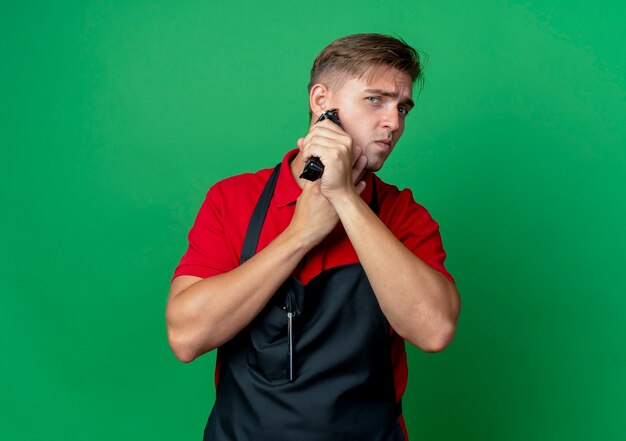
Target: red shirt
216	238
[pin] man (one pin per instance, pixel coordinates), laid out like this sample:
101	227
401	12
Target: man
309	288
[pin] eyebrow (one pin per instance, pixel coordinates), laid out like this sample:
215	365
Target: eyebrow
406	101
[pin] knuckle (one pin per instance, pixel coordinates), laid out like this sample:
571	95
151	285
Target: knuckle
316	139
315	129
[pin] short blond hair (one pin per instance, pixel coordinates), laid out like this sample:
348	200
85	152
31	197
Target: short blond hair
359	54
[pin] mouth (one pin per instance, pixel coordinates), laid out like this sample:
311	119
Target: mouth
384	144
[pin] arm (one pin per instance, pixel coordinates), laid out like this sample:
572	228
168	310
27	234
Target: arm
421	305
202	314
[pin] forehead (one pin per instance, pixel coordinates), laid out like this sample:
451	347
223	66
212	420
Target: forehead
386	79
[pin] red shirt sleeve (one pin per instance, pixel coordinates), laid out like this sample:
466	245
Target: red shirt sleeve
413	225
216	237
209	252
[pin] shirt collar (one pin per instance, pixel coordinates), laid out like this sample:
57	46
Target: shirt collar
288	191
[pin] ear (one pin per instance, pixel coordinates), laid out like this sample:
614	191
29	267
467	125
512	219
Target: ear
319	98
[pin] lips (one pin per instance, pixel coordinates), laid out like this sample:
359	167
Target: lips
385	144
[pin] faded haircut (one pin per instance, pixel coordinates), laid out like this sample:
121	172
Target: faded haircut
364	54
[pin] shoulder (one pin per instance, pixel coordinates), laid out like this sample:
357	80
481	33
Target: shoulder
398	204
232	198
412	224
239	188
409	221
237	182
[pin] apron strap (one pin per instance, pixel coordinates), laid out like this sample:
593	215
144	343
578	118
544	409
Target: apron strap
374	201
251	240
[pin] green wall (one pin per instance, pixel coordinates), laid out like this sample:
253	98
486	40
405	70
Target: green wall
116	117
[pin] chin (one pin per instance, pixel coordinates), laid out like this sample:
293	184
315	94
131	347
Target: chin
376	160
374	164
374	167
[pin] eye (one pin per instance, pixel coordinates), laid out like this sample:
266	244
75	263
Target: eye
403	111
373	99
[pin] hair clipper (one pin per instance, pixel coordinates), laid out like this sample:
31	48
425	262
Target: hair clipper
314	168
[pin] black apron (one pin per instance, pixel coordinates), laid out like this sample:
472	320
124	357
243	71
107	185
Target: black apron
314	365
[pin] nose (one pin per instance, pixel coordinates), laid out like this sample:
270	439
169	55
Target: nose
391	119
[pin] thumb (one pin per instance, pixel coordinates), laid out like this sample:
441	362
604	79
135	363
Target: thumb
360	187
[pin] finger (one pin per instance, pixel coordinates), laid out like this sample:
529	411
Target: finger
356	154
306	186
328	149
358	170
327	130
328	124
360	186
310	187
300	143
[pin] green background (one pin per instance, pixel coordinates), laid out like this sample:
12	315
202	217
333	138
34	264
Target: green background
117	116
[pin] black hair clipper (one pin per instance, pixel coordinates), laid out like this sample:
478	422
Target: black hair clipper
314	168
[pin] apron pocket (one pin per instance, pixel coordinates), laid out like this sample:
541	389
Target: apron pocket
268	351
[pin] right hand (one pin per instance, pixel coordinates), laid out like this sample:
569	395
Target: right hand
314	217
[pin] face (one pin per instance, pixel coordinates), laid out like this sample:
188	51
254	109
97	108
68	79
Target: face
373	111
